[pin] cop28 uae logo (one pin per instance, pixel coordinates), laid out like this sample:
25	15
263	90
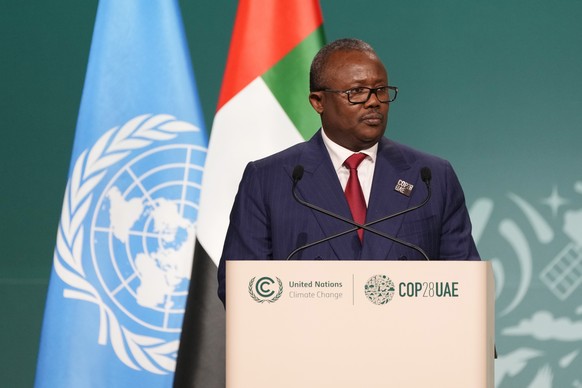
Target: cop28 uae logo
379	289
265	290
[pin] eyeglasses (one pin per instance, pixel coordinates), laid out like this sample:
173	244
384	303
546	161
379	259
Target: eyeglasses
361	94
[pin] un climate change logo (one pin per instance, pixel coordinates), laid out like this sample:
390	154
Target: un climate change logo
265	290
126	235
379	289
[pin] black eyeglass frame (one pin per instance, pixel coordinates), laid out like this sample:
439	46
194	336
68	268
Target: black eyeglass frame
370	91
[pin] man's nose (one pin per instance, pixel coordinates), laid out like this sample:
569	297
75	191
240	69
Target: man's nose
373	100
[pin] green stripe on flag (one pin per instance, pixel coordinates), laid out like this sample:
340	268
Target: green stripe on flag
289	82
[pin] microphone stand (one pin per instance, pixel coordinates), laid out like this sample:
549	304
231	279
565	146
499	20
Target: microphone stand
298	174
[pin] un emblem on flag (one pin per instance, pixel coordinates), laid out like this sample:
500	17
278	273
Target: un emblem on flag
126	238
143	235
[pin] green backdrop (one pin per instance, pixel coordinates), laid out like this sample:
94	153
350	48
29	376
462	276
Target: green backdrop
495	87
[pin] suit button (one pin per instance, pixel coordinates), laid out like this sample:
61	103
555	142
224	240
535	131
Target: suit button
403	258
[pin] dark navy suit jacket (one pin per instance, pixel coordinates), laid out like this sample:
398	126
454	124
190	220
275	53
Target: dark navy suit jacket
267	223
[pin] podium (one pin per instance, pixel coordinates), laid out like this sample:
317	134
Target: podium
359	324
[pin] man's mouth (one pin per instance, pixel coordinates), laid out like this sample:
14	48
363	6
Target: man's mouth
373	118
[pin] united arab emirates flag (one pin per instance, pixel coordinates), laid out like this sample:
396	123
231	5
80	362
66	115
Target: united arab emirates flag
263	108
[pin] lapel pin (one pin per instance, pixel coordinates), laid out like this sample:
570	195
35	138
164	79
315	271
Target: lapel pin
404	187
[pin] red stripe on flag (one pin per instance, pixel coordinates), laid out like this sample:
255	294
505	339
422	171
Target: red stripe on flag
264	32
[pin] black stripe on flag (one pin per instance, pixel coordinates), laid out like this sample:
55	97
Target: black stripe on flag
201	357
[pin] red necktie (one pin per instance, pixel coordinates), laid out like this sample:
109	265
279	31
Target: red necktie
354	193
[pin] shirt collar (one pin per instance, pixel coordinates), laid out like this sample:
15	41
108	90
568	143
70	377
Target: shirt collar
339	154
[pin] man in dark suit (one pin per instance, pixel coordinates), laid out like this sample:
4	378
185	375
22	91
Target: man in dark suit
349	89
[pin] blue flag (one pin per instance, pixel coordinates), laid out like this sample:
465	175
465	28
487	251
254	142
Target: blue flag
125	241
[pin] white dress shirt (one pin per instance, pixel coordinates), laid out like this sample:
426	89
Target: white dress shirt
339	154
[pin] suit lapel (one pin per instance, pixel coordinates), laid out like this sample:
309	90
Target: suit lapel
384	200
320	186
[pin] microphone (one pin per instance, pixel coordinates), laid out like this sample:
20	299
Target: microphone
298	171
297	174
425	175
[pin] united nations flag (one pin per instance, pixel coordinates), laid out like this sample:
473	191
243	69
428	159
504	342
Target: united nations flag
125	242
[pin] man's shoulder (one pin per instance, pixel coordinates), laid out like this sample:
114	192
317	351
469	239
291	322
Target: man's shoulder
411	156
284	156
290	156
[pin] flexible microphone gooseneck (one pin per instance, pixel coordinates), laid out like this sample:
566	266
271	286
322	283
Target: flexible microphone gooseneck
298	171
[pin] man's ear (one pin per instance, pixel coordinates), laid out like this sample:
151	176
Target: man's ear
315	98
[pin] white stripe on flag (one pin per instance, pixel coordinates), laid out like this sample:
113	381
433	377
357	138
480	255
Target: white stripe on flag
250	126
